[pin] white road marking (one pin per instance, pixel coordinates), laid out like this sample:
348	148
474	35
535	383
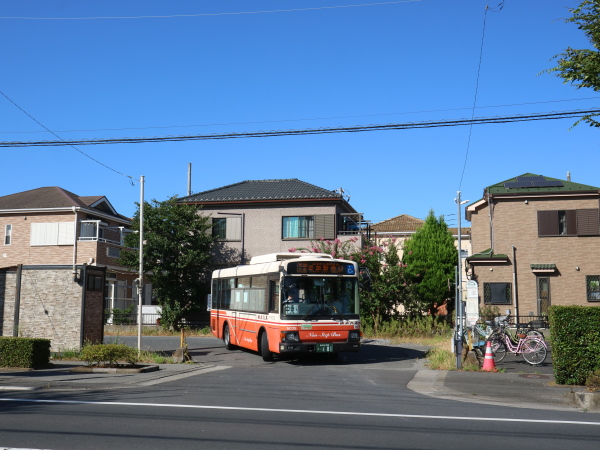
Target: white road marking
304	411
179	376
15	388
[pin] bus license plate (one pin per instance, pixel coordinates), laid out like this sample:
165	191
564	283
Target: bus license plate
324	348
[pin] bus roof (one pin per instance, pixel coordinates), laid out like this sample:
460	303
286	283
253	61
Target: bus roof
274	257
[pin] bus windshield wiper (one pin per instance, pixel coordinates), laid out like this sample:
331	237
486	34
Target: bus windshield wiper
338	311
310	311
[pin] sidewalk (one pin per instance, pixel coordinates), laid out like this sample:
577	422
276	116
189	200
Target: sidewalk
534	391
58	376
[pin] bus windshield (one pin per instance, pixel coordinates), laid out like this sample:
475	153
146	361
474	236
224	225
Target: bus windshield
316	297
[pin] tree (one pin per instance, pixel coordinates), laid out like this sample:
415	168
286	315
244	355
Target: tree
177	251
581	67
430	258
388	287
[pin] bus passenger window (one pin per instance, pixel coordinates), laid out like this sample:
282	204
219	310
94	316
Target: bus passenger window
274	296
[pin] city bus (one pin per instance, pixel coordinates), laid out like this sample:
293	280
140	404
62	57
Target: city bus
287	304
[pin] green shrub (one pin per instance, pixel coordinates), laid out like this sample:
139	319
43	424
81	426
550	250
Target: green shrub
108	354
24	352
593	381
575	341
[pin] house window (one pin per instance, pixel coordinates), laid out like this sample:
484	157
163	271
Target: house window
113	252
7	235
94	282
497	293
227	228
60	233
592	283
301	227
569	222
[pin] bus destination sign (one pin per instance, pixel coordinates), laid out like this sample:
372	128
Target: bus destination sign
321	268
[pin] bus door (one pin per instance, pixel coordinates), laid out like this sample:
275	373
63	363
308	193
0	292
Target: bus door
233	323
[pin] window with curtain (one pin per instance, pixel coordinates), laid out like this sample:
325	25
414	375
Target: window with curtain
301	227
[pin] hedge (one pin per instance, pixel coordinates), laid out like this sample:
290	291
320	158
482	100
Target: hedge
108	354
575	341
24	352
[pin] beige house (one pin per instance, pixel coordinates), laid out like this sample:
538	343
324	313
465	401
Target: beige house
258	217
537	242
58	265
402	227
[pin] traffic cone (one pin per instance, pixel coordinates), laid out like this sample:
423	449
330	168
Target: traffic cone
488	362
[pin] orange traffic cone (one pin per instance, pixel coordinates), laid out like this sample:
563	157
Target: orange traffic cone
488	362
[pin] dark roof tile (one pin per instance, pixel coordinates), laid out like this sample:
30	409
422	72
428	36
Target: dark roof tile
253	190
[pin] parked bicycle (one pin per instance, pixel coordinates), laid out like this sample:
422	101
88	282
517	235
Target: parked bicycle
532	347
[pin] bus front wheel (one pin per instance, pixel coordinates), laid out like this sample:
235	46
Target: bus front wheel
264	348
227	338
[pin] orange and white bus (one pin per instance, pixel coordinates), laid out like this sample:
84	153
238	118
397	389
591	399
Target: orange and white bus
287	304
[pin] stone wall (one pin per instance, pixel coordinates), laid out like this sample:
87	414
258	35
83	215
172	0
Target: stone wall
53	305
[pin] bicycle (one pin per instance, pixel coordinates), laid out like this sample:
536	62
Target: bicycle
532	348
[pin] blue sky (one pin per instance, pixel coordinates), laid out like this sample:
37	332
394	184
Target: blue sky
218	72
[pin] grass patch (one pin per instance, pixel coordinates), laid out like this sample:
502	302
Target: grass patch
132	330
146	356
441	358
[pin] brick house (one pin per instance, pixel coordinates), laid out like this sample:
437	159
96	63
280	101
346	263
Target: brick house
58	269
537	242
253	218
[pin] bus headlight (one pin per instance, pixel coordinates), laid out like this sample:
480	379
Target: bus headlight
291	336
354	336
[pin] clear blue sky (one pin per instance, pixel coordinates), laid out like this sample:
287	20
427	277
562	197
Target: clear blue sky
216	72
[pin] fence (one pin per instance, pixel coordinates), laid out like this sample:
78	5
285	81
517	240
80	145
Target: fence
189	320
531	321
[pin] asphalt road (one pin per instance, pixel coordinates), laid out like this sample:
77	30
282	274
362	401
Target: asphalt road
360	401
211	350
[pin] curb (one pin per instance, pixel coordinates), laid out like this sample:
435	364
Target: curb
589	401
91	369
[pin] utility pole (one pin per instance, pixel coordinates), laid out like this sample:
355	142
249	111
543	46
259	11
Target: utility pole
460	313
141	267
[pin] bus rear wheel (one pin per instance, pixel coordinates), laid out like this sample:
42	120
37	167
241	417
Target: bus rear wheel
227	338
264	348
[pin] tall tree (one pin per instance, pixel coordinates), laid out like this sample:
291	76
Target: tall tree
430	258
581	67
177	251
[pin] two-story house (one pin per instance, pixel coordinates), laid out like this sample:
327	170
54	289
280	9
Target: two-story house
258	217
58	265
536	242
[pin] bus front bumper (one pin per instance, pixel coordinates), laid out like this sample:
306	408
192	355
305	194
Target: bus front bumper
313	347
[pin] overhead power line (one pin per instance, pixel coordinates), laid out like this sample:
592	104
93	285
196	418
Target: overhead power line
305	119
308	131
171	16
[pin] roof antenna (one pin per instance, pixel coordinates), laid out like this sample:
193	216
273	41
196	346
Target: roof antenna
189	185
342	192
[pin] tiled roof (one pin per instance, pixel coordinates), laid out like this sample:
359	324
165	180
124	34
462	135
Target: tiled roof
408	224
50	197
253	190
567	186
401	223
